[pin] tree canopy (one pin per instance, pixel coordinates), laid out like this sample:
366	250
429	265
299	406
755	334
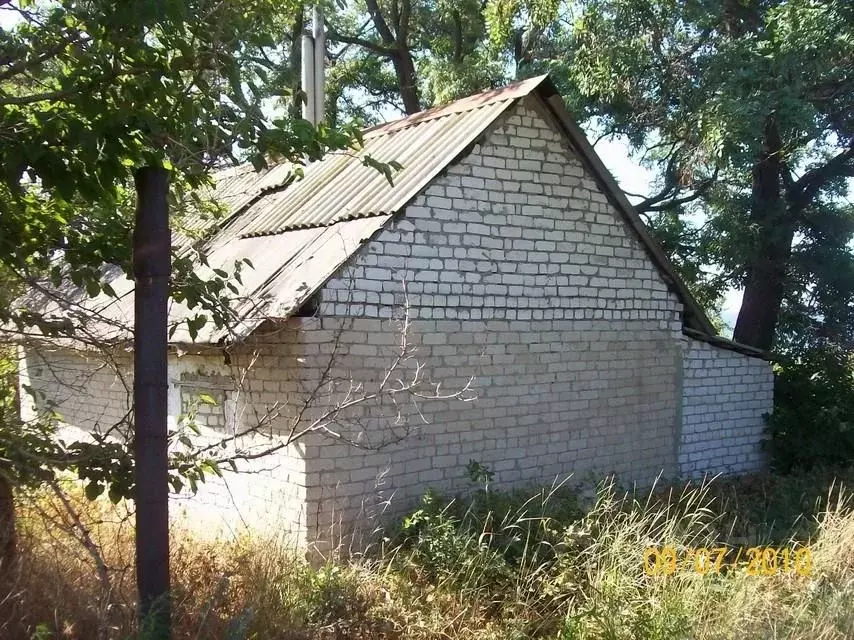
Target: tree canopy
90	92
746	111
743	109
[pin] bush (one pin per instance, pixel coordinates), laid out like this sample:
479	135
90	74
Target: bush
813	419
502	566
584	577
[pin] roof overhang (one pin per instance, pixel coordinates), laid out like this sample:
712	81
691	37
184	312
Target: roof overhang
300	233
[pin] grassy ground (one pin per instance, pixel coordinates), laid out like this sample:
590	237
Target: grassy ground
543	564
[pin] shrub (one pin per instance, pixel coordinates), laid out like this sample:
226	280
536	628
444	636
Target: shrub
813	419
497	566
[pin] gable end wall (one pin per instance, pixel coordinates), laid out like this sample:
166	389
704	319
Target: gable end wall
519	272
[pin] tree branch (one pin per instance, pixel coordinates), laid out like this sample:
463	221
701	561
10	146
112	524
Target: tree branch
380	23
375	47
403	24
14	68
649	203
199	63
803	190
652	204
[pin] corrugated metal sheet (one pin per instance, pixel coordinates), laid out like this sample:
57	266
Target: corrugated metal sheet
287	268
341	187
298	234
234	190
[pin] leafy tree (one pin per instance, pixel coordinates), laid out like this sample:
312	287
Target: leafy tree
746	109
92	96
411	54
743	108
390	35
814	394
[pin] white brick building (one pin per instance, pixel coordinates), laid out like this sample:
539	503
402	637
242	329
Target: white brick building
525	268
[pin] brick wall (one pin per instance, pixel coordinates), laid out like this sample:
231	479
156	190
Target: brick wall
518	271
248	391
92	392
724	397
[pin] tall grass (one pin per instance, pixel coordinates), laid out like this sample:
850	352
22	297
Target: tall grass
540	565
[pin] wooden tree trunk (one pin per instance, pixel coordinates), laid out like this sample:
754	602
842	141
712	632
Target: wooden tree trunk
765	288
407	77
769	263
8	533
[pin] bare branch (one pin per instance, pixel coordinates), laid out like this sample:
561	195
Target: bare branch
667	197
800	193
366	416
75	525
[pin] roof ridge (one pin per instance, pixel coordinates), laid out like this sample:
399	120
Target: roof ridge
490	96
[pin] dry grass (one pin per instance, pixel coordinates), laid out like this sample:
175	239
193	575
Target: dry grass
500	568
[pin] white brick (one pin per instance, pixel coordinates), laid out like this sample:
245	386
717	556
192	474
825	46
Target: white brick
521	274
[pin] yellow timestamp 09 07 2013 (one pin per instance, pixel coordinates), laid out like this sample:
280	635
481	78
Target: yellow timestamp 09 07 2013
757	561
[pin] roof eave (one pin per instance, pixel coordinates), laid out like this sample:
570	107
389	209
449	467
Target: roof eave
731	345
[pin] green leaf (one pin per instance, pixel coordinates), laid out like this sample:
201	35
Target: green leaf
93	490
93	288
115	494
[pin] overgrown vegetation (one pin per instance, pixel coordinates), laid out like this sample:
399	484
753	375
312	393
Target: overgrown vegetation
537	564
813	419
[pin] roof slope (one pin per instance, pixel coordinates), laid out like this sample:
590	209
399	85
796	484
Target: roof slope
297	234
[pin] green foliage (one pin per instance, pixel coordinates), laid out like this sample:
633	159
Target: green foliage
31	453
442	543
704	91
90	93
591	585
499	541
479	474
813	419
457	48
774	508
583	575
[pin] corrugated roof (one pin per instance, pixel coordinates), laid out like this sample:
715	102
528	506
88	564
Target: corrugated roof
297	234
234	190
287	268
342	187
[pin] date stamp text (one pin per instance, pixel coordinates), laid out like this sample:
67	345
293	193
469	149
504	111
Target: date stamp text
757	561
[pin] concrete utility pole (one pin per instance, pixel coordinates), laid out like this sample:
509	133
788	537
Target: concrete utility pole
152	266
